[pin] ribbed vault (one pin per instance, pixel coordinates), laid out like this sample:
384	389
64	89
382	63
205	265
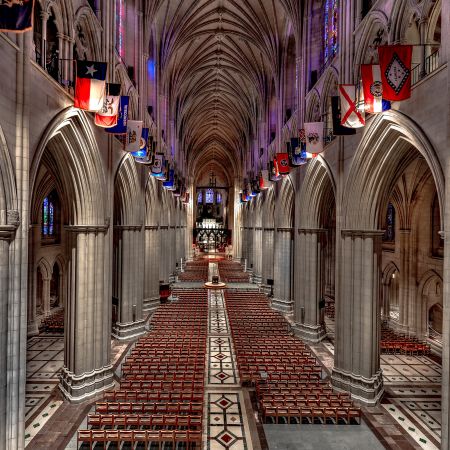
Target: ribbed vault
217	60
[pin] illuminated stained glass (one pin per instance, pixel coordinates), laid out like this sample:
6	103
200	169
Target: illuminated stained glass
200	198
45	216
48	217
330	29
120	27
219	198
389	234
209	196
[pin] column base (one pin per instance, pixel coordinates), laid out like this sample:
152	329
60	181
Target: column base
284	306
32	329
77	388
127	331
257	279
366	390
265	289
310	333
150	305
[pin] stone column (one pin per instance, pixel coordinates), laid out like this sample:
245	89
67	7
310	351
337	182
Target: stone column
32	325
46	296
87	361
44	16
309	284
282	300
404	286
151	269
163	252
6	236
357	344
257	256
267	255
250	237
130	322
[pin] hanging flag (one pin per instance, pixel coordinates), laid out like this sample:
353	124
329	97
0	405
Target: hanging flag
90	85
338	129
16	15
142	156
283	163
264	182
133	136
122	120
158	165
296	152
314	137
108	115
165	171
169	184
373	89
395	67
274	174
352	117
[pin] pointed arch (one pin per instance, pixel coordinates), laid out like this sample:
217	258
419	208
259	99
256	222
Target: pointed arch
69	148
317	194
384	150
285	204
127	194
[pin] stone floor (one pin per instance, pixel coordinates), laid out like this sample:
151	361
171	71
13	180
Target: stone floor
410	413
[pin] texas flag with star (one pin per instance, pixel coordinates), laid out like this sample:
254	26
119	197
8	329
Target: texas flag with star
90	85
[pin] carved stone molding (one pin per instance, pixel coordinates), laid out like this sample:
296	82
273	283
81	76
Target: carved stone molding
151	227
362	233
311	230
128	227
268	229
285	230
87	228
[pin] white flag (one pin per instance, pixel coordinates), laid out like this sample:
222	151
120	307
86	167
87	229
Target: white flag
133	136
314	137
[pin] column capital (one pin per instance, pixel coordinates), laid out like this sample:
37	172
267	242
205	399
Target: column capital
87	228
311	230
151	227
269	229
362	233
7	232
128	227
285	229
164	227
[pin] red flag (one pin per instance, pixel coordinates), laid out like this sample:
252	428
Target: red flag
90	85
283	163
395	64
108	116
351	116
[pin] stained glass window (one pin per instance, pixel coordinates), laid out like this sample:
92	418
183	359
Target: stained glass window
330	29
219	198
200	198
209	196
389	234
120	27
45	217
48	218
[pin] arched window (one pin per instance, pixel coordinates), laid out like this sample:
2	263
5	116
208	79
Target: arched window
209	196
436	240
219	198
389	234
200	198
330	29
50	217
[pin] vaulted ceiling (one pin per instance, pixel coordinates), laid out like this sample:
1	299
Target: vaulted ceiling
217	61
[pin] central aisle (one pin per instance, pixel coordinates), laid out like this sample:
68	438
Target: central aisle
225	413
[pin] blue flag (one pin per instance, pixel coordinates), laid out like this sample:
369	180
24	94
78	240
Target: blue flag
16	16
121	127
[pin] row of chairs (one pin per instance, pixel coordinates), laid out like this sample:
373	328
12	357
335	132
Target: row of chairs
288	378
232	272
54	323
394	343
160	399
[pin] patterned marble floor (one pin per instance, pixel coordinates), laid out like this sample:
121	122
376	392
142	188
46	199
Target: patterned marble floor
45	358
413	395
226	417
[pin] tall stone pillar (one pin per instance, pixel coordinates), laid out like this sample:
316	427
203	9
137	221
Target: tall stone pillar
151	269
404	286
46	295
309	284
282	300
130	323
87	361
163	252
250	237
357	343
267	254
257	256
6	235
